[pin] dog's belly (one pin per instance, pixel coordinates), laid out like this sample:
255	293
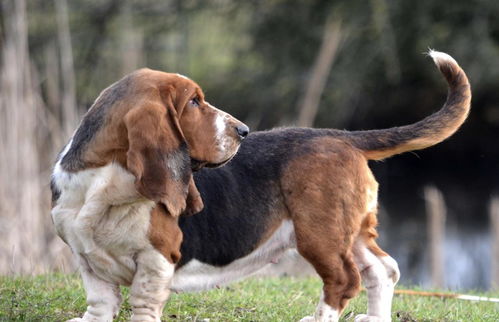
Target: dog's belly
197	276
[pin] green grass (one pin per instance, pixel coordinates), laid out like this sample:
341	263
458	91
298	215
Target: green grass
59	297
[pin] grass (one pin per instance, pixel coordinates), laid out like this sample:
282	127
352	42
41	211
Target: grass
58	297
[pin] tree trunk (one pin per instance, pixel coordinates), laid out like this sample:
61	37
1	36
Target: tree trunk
435	209
319	73
69	108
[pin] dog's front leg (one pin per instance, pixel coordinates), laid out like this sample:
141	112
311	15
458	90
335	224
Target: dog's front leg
103	298
151	286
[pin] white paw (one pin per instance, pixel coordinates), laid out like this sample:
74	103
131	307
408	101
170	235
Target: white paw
308	319
370	318
87	318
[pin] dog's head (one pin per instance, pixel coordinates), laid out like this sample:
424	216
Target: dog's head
170	129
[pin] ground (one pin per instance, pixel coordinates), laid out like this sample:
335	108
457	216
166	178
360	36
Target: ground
58	297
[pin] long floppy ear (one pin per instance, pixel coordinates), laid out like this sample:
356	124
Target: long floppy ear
158	156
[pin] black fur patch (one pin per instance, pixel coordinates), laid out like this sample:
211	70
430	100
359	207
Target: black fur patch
92	122
56	193
241	197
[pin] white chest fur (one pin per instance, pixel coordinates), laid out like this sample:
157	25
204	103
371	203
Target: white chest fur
103	219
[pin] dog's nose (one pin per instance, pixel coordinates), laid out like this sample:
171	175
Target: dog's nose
242	130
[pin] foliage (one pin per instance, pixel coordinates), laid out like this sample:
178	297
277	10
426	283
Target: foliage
253	57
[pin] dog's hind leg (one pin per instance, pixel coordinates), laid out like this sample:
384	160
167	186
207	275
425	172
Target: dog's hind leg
151	286
379	273
341	283
325	240
330	253
326	195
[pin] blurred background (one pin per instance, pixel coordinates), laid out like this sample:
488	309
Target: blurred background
345	64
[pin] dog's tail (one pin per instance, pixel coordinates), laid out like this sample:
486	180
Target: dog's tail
380	144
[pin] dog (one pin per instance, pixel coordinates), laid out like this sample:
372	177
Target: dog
128	168
309	189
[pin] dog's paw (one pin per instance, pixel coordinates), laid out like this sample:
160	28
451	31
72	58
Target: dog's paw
308	319
370	318
91	318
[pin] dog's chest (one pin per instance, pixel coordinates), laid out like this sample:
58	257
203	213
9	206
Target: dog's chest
103	219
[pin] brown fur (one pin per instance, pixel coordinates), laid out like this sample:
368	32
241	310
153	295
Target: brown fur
194	203
165	235
326	195
368	234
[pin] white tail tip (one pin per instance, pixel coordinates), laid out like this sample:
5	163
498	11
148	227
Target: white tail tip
440	58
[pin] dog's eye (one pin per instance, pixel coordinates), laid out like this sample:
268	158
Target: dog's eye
194	102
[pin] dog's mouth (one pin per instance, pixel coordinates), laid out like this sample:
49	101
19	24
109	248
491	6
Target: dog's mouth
197	165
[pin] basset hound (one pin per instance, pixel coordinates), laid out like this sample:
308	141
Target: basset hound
123	179
309	189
